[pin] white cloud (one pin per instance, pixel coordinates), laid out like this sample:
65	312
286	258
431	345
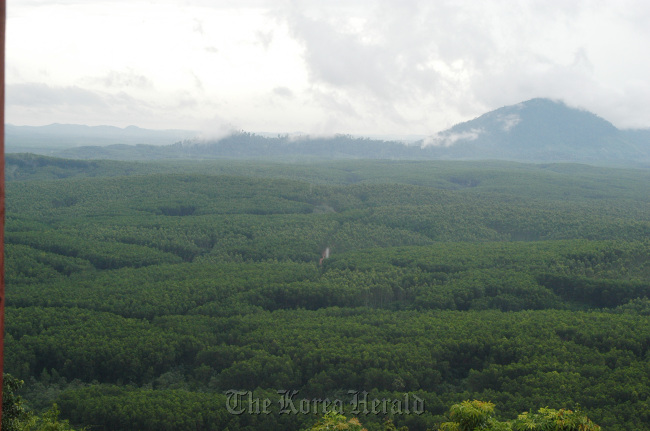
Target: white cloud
361	67
508	121
447	139
38	94
284	92
120	79
457	60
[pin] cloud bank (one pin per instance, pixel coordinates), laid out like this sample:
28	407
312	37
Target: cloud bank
456	60
360	67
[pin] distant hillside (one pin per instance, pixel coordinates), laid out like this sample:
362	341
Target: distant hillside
54	137
245	145
27	166
542	130
538	130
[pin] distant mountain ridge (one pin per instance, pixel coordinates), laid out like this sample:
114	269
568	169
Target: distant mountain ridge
61	136
537	130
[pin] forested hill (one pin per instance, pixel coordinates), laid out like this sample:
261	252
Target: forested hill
139	294
542	130
556	179
538	130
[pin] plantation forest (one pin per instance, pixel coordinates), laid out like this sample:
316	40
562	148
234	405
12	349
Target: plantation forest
139	294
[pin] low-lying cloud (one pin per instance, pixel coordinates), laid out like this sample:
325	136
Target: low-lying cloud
508	121
447	139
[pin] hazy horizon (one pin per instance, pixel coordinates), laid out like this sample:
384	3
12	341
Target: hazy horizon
362	68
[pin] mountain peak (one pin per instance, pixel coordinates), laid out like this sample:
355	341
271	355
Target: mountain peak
535	129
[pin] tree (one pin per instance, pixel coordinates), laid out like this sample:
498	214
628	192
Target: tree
563	420
13	406
477	415
473	415
336	421
15	417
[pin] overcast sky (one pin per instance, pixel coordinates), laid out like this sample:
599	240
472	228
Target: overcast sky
362	67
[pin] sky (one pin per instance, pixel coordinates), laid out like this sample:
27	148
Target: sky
383	67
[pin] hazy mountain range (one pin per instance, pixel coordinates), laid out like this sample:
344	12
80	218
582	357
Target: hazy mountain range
46	139
538	130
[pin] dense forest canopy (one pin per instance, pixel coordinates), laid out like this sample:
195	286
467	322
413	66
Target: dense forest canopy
139	294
